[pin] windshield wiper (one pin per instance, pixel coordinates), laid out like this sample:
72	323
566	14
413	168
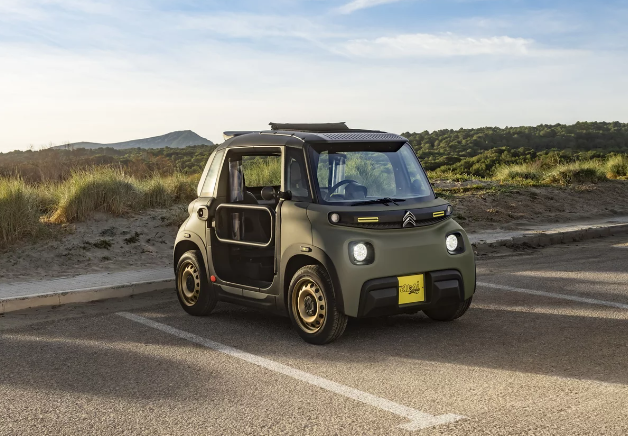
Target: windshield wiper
384	201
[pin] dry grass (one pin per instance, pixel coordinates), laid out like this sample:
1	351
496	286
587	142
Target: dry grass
528	171
112	191
20	209
617	167
592	171
85	192
576	172
24	207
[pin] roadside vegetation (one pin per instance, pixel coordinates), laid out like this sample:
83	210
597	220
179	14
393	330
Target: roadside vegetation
58	186
26	209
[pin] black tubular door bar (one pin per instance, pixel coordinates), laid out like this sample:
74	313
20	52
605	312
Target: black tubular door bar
247	207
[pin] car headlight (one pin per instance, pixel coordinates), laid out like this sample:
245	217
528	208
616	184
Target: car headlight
361	253
451	242
454	243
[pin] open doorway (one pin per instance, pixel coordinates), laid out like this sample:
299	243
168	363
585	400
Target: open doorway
243	241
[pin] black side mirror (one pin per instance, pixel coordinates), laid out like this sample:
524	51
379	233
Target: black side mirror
203	213
268	193
284	195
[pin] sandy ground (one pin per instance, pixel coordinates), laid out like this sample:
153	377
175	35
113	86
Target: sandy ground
517	208
104	243
145	240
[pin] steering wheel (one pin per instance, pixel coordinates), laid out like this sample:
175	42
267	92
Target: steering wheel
339	184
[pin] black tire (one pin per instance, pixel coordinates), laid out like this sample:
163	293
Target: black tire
450	312
195	294
312	285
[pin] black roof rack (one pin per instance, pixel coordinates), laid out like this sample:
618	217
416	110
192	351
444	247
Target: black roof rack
311	127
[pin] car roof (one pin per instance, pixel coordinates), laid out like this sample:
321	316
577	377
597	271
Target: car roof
298	134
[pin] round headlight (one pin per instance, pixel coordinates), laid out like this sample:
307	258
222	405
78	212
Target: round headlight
360	252
451	242
334	217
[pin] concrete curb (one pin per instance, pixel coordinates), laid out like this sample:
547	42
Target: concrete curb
543	239
83	295
57	298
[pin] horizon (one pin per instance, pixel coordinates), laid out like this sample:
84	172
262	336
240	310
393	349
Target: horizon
107	71
53	145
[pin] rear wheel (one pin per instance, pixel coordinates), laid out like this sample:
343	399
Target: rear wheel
195	294
450	312
312	306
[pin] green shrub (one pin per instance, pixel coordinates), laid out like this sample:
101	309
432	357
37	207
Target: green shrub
617	167
19	211
528	171
576	172
154	193
182	188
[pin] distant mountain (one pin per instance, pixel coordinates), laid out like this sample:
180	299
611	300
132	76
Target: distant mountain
179	139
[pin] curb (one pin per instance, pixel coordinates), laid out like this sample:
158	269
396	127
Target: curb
538	239
83	295
541	239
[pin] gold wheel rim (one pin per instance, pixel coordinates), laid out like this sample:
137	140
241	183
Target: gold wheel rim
189	284
309	305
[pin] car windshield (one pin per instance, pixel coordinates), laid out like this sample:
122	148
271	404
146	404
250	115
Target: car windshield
367	173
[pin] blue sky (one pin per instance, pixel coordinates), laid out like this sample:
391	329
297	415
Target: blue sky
105	71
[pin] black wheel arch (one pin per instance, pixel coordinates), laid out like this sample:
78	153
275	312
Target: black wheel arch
296	259
193	244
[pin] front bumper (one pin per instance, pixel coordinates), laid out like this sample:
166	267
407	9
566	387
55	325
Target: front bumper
380	297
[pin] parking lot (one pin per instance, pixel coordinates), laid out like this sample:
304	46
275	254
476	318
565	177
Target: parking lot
543	350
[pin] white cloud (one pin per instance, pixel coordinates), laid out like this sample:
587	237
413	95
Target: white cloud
356	5
439	45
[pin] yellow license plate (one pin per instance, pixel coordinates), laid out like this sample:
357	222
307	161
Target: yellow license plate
411	289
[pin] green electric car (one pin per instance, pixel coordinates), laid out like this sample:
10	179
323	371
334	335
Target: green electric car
321	222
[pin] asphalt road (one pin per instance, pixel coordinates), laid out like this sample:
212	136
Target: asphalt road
516	363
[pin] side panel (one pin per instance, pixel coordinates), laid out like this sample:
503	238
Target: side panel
295	230
295	225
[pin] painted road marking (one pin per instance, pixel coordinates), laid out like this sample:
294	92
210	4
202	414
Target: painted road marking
418	419
551	295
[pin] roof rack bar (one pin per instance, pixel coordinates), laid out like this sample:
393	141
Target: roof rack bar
310	127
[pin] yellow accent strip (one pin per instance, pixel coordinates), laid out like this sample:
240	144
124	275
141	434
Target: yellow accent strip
368	219
441	213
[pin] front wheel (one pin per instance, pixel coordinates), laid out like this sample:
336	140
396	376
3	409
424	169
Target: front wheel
312	306
194	292
450	312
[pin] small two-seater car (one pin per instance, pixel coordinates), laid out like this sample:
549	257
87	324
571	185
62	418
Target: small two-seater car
321	222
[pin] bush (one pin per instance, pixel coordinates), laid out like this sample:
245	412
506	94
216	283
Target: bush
577	172
154	193
19	211
182	188
104	190
519	172
111	190
617	167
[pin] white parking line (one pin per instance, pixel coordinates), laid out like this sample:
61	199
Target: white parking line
418	419
552	295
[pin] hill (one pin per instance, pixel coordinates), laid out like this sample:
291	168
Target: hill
180	139
479	151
